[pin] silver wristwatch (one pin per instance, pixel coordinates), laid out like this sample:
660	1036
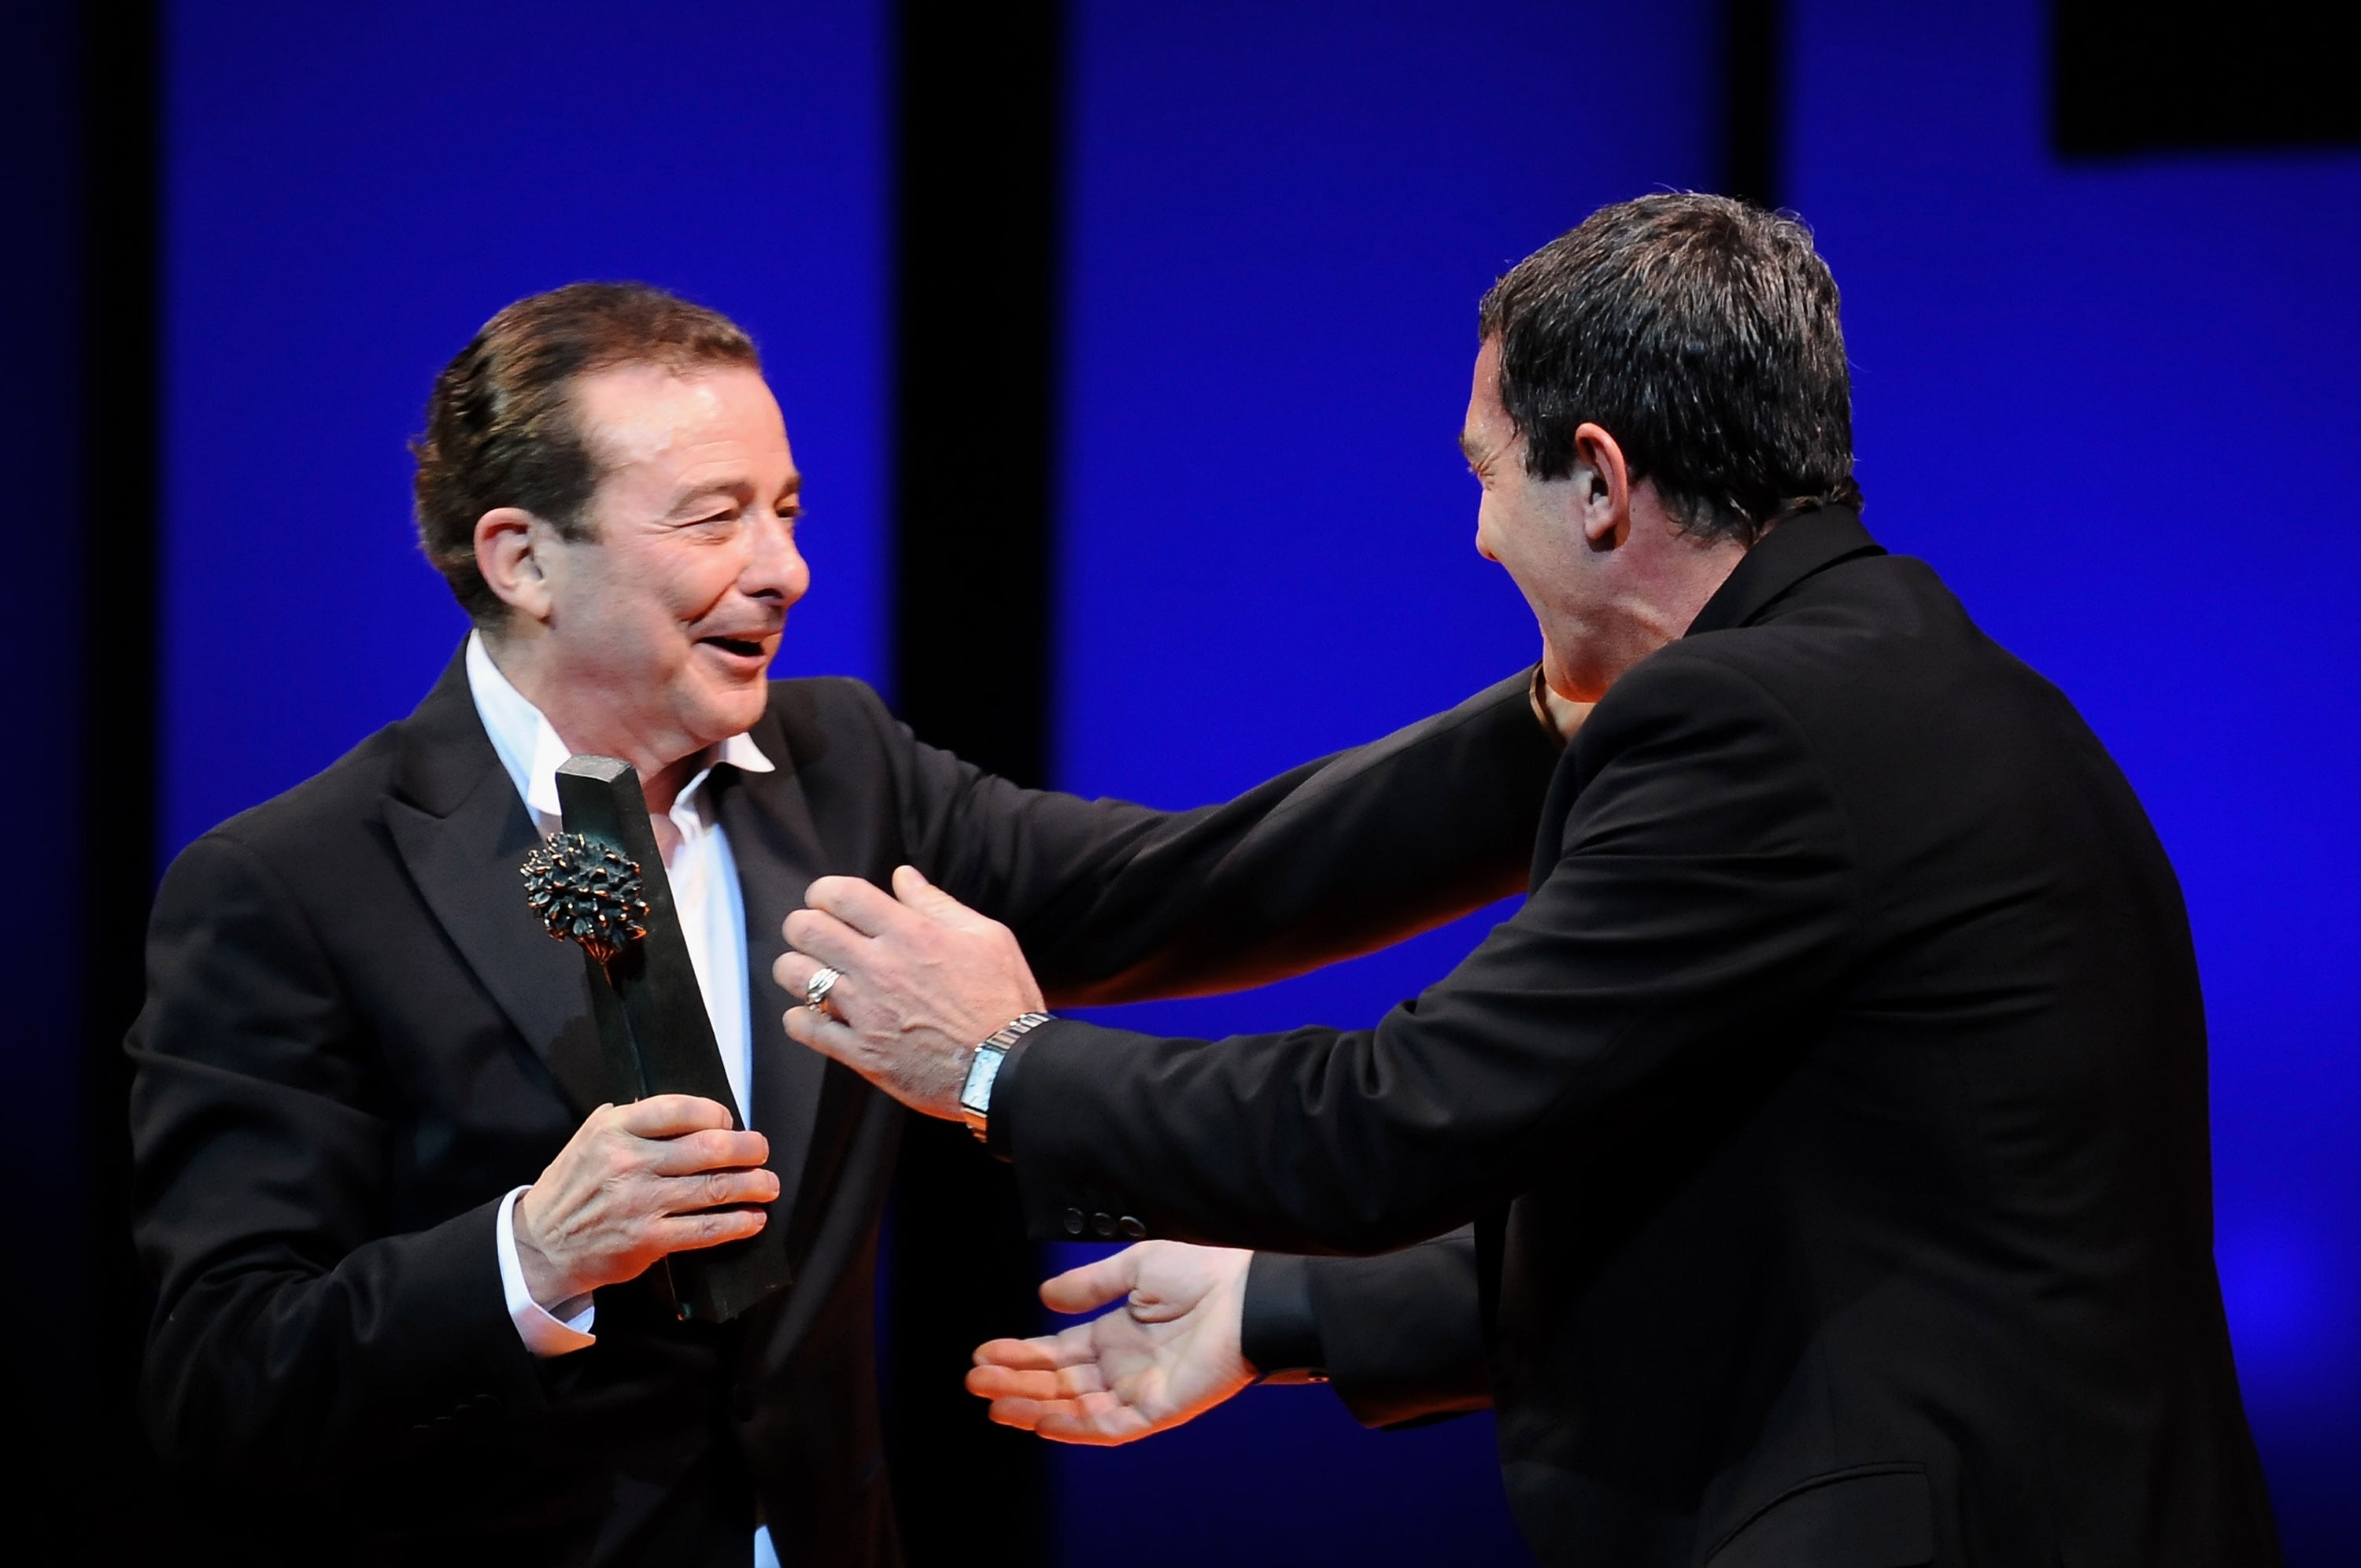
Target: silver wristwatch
976	1094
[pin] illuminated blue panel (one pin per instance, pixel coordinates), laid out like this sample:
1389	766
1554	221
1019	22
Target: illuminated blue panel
2116	404
352	190
1279	218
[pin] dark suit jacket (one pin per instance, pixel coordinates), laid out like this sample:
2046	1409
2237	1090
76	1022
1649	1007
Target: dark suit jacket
357	1039
1832	1118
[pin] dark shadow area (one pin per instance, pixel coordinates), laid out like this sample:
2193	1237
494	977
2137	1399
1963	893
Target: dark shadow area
2130	77
45	1319
122	451
81	425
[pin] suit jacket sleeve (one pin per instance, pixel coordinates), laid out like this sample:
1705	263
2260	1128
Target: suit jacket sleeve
293	1336
1399	1337
1701	896
1114	902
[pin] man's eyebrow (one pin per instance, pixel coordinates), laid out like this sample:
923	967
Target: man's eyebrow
689	496
1468	449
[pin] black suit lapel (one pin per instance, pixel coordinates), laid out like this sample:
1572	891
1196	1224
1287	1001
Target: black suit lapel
777	850
461	830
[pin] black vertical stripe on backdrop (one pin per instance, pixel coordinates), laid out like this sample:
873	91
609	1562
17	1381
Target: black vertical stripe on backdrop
975	302
44	1341
121	90
1749	101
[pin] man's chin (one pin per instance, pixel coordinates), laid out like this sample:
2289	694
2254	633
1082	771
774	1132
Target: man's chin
744	710
732	706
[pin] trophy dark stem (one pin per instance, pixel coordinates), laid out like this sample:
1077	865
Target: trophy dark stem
624	1082
653	1033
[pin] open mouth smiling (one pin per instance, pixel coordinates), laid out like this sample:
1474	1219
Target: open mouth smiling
744	647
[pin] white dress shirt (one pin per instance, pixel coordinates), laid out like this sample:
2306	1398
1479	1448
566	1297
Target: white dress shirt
704	892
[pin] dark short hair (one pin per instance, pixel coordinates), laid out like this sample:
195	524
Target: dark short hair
501	424
1700	332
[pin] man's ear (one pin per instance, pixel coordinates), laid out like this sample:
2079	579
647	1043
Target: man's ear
1603	481
508	544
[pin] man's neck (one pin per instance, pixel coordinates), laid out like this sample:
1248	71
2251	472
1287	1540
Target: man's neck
1659	607
664	766
1687	589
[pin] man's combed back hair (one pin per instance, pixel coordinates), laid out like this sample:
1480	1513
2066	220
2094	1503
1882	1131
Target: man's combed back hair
1702	335
500	425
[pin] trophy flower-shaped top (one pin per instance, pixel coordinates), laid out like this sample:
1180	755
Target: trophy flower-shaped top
585	892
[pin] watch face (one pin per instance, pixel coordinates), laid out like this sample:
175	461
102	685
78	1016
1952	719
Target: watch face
976	1094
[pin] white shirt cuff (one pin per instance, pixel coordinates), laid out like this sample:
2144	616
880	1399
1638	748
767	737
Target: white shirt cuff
545	1332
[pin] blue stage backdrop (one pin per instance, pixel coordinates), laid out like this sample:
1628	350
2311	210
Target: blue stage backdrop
2115	405
1280	218
352	190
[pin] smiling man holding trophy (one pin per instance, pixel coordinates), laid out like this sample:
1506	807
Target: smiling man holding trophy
399	1185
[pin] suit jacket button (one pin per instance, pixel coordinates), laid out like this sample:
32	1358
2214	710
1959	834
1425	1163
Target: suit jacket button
1131	1227
1101	1224
1073	1221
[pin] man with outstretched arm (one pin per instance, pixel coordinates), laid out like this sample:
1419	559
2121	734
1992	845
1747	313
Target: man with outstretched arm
1825	1138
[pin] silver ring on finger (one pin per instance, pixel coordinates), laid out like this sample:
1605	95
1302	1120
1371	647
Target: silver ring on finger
817	988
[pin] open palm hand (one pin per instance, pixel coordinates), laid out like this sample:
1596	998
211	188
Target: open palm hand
1167	1355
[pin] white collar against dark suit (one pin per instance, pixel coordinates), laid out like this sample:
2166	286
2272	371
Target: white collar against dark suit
700	871
529	750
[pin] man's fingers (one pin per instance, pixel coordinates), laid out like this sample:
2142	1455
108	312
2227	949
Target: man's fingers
1065	1383
918	893
864	907
1094	1285
793	971
829	1035
713	1149
1100	1426
718	1188
1023	1413
670	1115
1001	1383
688	1233
1100	1420
1045	1353
821	937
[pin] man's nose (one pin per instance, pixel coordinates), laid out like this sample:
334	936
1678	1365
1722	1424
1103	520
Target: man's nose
777	566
